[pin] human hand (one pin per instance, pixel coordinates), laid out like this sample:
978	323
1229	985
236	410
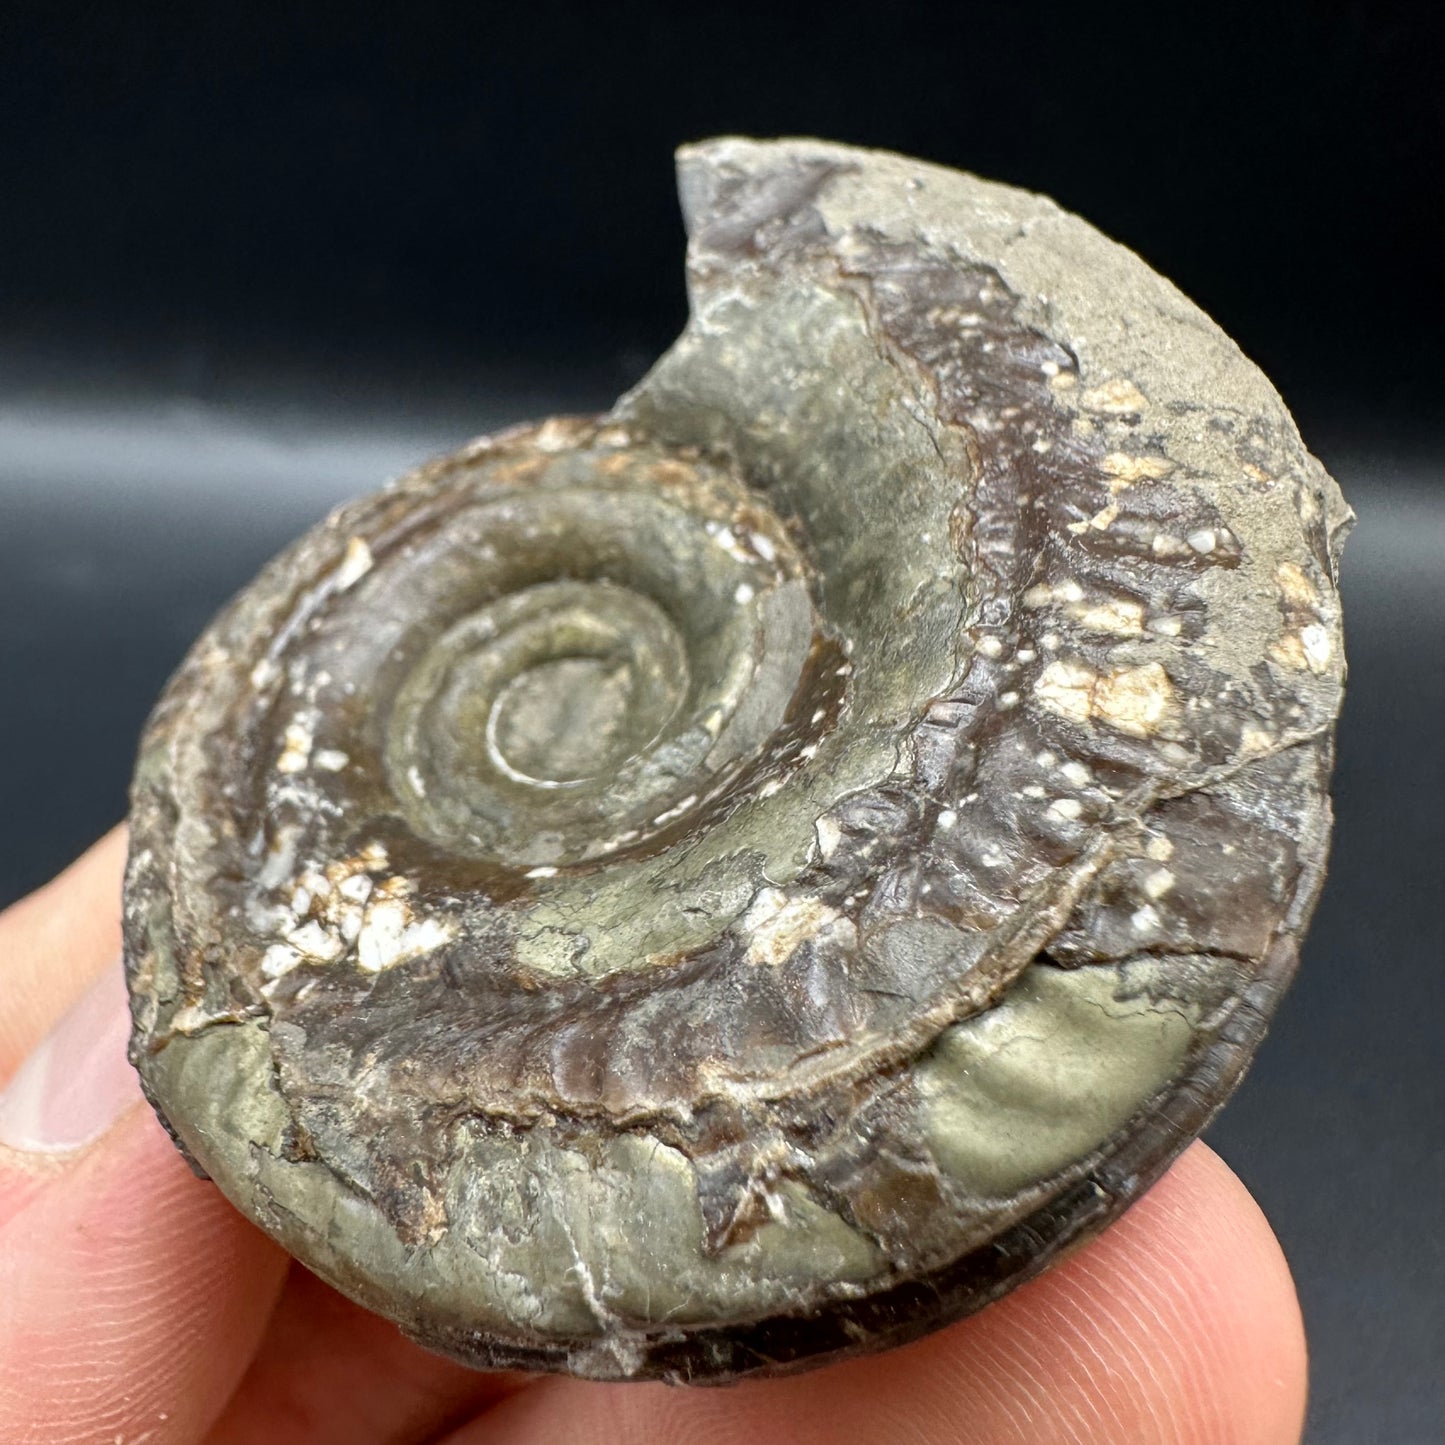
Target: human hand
138	1308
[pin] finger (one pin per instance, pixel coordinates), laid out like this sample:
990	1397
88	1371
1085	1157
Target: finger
332	1373
1178	1326
131	1294
53	943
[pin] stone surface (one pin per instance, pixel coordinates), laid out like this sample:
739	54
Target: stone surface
754	876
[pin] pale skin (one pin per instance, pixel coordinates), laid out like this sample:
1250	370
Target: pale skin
137	1306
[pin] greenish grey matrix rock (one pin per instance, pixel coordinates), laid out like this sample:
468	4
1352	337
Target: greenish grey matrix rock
754	876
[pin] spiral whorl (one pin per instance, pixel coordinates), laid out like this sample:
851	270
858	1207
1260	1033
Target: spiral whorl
605	634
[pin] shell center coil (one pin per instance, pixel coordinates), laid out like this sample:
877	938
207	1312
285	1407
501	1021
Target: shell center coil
606	650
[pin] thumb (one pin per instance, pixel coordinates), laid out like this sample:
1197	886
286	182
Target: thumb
131	1295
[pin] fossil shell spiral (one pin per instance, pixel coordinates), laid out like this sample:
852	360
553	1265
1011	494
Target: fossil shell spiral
753	876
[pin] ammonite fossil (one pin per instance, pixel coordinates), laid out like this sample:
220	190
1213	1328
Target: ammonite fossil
753	876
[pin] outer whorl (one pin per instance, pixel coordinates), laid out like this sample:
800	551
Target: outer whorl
754	876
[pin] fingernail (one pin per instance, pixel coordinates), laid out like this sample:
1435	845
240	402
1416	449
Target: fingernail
78	1081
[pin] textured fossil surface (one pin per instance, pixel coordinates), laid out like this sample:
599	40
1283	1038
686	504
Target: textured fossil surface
754	876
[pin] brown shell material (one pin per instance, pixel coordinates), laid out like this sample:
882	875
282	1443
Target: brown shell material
754	876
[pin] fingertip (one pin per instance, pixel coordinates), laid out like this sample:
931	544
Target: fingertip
1233	1317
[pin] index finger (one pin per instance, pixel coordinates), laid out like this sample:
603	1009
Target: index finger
53	943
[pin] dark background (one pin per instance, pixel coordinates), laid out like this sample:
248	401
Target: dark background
254	259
